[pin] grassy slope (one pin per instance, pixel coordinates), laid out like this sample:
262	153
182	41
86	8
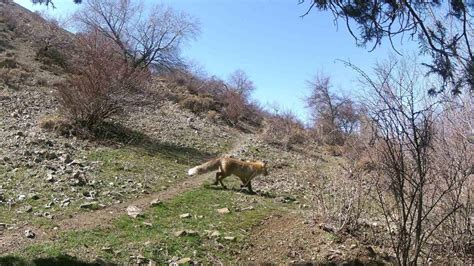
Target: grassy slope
131	237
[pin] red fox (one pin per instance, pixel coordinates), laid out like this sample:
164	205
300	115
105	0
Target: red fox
245	170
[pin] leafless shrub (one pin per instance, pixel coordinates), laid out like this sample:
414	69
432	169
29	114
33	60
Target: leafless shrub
92	94
234	106
453	160
421	169
343	200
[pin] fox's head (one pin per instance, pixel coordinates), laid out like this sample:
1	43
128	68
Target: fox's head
264	168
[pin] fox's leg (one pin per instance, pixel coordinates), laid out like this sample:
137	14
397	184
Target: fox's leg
218	174
221	177
249	186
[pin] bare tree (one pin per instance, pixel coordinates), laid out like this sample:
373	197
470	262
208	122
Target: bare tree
419	185
335	116
241	83
146	38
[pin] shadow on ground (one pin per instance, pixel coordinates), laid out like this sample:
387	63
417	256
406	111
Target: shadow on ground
243	191
115	133
53	261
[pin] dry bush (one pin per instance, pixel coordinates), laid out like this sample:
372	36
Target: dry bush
9	17
284	129
9	63
53	43
56	124
231	100
343	200
234	107
198	103
254	114
13	77
100	78
212	116
453	158
51	56
423	163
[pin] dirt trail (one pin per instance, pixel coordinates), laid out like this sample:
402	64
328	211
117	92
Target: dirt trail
14	239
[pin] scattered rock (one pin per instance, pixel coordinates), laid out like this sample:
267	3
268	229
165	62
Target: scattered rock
89	205
50	178
327	227
185	233
180	233
65	202
183	261
26	209
223	211
67	159
191	233
287	199
140	259
215	234
33	196
185	215
50	155
155	202
229	238
249	208
107	249
134	211
371	251
29	234
148	224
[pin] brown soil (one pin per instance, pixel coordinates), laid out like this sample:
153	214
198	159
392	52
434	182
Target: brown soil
292	238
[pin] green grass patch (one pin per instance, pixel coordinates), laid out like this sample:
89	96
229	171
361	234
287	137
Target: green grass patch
130	237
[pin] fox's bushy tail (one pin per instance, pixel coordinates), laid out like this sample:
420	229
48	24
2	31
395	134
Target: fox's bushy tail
209	166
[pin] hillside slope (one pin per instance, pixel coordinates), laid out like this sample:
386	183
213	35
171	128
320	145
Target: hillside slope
64	198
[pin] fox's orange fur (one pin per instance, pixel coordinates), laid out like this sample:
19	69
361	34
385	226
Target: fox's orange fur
245	170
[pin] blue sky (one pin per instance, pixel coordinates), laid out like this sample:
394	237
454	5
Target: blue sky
269	40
